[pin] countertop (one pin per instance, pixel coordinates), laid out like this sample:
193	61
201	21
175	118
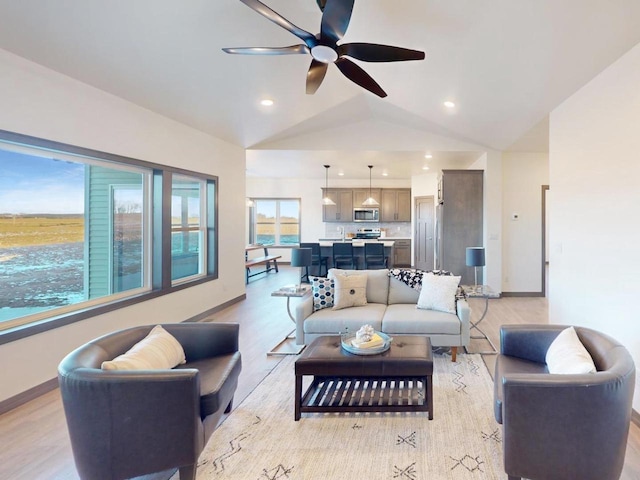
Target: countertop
356	242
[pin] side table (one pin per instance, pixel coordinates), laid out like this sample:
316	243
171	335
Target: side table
285	347
486	292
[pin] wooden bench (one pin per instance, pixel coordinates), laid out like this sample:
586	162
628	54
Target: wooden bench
269	261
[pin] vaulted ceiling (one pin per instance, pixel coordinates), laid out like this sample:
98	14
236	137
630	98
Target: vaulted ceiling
505	63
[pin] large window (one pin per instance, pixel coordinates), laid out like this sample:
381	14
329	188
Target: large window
79	230
276	221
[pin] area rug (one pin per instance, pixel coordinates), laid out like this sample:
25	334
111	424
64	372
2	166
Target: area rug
261	441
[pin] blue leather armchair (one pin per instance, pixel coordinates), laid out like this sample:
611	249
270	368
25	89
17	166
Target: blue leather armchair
562	426
126	424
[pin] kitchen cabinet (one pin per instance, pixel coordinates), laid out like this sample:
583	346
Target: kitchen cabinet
395	205
342	211
459	221
401	253
361	194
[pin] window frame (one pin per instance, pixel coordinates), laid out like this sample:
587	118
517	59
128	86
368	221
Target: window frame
160	245
253	230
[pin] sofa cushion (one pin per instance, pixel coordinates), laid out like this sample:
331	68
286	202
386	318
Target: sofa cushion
400	292
377	282
323	290
402	319
567	355
159	350
439	293
332	322
350	291
218	380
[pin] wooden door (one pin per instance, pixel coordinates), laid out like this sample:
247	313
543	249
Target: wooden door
424	247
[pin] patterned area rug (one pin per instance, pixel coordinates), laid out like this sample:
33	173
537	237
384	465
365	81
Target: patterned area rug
261	441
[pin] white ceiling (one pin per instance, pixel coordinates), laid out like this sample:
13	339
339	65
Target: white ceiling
506	64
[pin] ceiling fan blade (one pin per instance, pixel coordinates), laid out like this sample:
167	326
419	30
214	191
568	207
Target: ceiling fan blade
357	75
291	50
373	52
278	19
315	75
335	19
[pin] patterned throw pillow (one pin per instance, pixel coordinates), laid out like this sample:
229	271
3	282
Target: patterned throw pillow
323	292
413	277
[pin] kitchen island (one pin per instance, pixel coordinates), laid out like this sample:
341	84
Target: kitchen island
326	250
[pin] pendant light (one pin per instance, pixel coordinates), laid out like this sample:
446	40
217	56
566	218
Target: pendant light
326	200
370	202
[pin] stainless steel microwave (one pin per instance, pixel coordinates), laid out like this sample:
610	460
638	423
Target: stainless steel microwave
366	214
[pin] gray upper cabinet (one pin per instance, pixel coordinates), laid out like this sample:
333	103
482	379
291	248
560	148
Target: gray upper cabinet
361	194
395	205
460	221
342	211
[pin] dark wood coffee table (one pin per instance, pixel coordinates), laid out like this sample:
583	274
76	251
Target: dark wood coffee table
398	380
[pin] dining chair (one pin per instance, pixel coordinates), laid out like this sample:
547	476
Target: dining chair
316	260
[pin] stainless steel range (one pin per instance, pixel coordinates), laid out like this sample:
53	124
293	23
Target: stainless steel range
368	232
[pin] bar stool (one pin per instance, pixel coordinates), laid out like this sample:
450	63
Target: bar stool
316	260
374	255
343	256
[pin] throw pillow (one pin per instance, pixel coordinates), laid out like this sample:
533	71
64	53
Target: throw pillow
567	355
438	293
157	351
323	292
351	291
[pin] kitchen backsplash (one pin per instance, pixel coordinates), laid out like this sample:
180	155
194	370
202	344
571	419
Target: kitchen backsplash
393	229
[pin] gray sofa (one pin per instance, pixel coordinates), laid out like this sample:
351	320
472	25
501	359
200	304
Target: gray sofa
391	309
562	426
125	424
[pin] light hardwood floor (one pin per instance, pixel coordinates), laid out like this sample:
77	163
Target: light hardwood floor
34	440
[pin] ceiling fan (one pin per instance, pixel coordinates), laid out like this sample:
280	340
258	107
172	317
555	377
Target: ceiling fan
324	48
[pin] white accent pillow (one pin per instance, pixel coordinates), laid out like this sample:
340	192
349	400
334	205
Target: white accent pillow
159	350
349	291
438	293
567	355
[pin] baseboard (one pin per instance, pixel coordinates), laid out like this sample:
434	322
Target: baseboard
635	418
28	395
52	384
522	294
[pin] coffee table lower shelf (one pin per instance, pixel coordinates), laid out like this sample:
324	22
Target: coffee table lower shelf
365	394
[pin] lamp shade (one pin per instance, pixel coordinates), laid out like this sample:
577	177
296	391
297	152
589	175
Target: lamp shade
475	257
300	257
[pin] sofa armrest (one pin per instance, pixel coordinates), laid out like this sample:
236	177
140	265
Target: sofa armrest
528	342
113	418
464	314
304	308
202	340
590	408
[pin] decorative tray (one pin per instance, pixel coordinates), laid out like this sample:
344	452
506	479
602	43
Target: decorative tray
346	344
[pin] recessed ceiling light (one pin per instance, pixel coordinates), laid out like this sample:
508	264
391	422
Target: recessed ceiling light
449	104
385	174
425	167
428	155
341	173
267	102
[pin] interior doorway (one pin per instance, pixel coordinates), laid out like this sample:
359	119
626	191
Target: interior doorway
424	244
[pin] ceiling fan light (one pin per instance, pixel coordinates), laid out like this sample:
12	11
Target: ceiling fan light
324	54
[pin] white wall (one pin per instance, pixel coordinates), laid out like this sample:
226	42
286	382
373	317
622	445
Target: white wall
42	103
594	222
523	175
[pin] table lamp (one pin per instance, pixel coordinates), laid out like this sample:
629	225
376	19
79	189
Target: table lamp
300	257
475	258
